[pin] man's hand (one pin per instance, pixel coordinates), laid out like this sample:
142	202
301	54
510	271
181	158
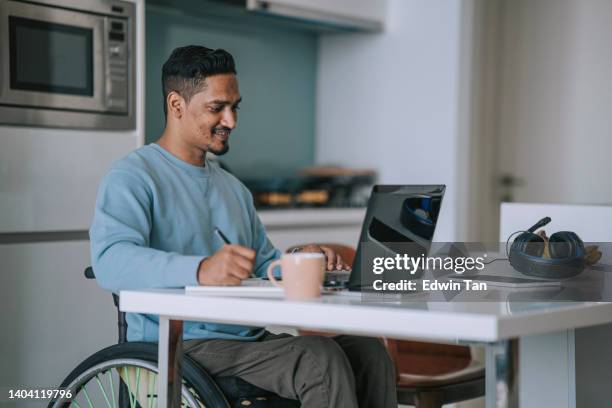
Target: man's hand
333	260
228	266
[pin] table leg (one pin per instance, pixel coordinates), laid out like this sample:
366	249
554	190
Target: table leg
549	373
502	374
170	356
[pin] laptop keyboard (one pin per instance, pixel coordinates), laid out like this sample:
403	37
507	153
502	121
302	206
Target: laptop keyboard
256	282
332	278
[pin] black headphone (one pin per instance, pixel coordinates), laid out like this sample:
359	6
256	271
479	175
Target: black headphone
420	213
566	250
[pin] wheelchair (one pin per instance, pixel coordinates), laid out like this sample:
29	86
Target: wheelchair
125	375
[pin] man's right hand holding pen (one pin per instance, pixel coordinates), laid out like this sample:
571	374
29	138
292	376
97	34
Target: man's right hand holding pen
228	266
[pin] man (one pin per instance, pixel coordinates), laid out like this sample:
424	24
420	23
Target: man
153	227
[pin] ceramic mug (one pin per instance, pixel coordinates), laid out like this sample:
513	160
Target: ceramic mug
302	274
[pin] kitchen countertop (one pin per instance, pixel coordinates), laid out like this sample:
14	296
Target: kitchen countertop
312	217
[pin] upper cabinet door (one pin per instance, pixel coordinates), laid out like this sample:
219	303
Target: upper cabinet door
351	14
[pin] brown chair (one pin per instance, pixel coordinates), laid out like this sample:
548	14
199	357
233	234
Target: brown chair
429	375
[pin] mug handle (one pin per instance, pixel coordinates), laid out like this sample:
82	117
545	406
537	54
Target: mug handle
271	275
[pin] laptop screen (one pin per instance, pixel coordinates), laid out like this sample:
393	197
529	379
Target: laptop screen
398	219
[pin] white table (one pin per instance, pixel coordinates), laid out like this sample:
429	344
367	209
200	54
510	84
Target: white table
499	325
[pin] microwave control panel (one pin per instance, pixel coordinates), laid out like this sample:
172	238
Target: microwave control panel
117	69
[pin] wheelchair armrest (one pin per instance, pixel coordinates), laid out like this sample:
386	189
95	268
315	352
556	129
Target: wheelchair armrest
121	322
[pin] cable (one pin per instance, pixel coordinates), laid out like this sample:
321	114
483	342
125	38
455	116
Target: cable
496	259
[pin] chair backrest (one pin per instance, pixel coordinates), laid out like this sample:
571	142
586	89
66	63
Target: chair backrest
121	322
427	359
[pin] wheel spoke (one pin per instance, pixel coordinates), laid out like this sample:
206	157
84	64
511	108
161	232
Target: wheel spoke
129	387
151	388
155	388
137	383
112	386
87	396
103	391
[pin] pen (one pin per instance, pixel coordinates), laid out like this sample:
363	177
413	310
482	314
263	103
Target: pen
221	235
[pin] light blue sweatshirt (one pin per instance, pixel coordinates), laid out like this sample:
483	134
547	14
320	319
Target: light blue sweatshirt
154	222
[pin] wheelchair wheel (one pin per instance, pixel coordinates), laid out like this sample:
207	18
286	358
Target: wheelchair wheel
125	375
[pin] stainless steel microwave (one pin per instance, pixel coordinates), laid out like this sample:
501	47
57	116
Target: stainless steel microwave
67	63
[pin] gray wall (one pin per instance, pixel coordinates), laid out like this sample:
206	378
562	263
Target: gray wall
276	71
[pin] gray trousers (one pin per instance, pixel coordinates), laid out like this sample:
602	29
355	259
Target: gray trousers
343	371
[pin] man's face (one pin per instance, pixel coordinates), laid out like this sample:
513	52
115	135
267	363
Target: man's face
212	114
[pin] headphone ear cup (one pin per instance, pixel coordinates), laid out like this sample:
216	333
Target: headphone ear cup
524	247
566	249
531	244
565	244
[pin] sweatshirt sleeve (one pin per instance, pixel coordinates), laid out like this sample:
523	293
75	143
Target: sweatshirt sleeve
266	252
120	231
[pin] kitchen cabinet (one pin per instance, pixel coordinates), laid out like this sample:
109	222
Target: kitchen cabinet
318	16
351	14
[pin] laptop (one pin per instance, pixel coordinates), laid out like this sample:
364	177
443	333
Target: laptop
397	216
400	219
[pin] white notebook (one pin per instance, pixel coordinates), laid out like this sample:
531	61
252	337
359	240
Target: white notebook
252	287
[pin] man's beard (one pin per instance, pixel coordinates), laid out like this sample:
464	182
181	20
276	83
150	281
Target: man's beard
221	151
223	139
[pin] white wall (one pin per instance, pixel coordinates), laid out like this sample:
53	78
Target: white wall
391	101
555	125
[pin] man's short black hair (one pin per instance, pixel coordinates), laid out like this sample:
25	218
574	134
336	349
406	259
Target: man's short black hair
187	67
